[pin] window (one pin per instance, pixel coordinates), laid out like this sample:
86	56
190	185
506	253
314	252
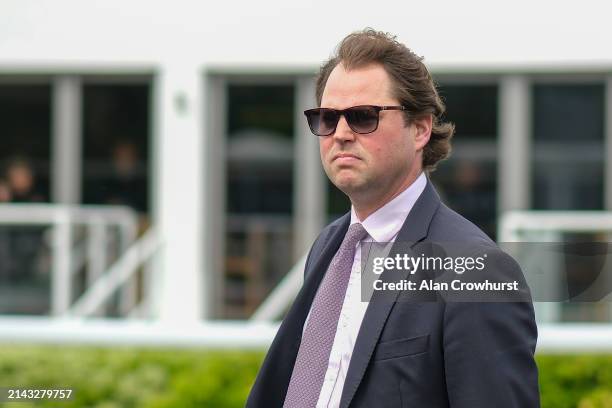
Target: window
467	181
25	116
568	167
260	125
116	144
568	121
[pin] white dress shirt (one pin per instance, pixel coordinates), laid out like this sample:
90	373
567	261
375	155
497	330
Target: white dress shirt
382	226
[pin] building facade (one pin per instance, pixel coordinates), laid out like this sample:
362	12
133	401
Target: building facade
192	116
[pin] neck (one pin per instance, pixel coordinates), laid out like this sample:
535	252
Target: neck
367	205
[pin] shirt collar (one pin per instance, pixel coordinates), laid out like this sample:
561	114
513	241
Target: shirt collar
384	224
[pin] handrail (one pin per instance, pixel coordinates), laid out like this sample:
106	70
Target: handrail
512	223
61	218
548	226
124	268
283	294
552	339
46	213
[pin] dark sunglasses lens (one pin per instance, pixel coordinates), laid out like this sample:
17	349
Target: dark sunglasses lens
362	119
322	122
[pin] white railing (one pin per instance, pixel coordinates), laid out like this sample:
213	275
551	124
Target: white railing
69	326
549	226
117	276
517	226
69	255
123	332
282	296
552	339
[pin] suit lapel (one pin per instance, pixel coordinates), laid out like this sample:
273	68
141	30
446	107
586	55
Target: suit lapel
413	230
281	356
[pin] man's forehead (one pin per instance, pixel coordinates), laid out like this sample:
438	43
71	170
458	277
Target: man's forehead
369	84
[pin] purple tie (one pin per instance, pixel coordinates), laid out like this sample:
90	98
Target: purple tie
313	356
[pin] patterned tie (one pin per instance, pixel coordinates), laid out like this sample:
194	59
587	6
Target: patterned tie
313	356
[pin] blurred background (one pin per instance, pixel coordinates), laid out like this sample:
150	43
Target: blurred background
159	186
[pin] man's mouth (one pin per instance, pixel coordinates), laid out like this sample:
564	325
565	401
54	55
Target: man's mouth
345	158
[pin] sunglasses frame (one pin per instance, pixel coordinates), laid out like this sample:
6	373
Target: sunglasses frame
341	112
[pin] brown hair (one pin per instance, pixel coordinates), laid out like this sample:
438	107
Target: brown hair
413	85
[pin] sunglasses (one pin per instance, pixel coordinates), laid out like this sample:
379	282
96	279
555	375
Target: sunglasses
361	119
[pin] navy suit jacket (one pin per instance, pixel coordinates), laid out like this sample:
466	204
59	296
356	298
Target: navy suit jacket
419	354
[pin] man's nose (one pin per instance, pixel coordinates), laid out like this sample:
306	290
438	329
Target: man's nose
343	132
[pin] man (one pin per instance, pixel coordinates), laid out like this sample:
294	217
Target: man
380	131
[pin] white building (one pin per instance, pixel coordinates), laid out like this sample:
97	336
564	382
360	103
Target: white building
212	94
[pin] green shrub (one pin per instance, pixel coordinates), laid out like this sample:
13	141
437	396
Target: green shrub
169	378
129	377
570	381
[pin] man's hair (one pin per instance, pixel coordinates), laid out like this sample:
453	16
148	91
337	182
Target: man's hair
412	84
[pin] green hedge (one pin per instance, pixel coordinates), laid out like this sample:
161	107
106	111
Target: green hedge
583	381
169	378
128	377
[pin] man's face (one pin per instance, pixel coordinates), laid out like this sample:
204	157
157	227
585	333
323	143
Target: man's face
376	165
20	178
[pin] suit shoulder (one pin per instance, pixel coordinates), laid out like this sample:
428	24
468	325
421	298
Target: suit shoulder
448	225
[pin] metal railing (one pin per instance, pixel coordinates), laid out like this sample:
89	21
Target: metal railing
552	339
117	276
106	278
273	307
103	227
550	226
515	226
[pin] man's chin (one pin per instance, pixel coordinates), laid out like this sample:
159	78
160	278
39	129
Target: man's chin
349	185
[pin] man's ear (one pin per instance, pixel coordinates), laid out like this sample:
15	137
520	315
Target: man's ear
423	125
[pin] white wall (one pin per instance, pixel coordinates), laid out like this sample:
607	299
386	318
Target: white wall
300	33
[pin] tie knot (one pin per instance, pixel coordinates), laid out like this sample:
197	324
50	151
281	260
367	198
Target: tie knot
355	233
